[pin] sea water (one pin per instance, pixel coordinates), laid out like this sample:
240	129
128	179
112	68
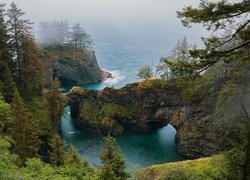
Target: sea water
143	149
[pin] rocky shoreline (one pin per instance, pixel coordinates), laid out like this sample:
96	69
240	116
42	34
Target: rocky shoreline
143	107
74	67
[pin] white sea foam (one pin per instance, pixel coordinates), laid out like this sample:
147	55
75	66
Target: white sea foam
117	76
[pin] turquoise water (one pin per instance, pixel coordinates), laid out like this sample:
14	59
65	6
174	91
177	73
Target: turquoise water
122	60
143	149
137	148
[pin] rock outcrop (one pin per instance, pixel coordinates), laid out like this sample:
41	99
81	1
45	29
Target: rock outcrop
142	107
75	67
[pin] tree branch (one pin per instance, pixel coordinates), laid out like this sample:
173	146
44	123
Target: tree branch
245	111
233	35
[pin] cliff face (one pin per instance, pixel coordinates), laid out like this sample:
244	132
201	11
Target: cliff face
142	107
75	67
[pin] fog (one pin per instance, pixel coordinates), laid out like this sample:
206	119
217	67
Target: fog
138	21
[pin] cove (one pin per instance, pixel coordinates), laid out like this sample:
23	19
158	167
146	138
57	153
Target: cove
143	149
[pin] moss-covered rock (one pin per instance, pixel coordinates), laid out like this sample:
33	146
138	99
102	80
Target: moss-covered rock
142	106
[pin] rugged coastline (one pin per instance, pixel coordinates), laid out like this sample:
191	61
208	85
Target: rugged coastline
143	107
74	67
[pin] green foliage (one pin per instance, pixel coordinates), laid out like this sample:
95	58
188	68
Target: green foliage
169	65
76	167
7	85
204	87
79	38
38	107
5	115
229	42
5	56
105	114
90	113
112	163
23	130
36	169
57	36
8	167
154	83
57	151
136	172
55	104
229	106
215	167
32	68
145	72
110	110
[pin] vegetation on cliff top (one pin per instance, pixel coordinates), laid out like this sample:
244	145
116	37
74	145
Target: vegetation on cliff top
29	116
215	167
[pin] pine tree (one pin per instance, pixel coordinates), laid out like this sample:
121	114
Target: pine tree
55	104
5	115
57	151
230	24
5	57
23	130
17	28
80	39
7	86
54	35
32	69
112	163
75	166
29	68
145	72
72	155
179	55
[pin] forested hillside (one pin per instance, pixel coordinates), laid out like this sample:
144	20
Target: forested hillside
204	93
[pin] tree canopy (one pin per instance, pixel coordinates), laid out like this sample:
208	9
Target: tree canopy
230	25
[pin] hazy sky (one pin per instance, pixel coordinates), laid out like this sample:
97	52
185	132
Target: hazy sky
108	11
143	21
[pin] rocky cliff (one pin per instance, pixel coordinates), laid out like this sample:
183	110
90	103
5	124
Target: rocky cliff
74	67
142	107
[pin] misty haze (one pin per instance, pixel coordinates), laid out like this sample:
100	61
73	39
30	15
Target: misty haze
124	89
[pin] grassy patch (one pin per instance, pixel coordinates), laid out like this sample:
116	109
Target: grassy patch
215	167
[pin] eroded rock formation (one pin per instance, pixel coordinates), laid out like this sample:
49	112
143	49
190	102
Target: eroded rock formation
142	107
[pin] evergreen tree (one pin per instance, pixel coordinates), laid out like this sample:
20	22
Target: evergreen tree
230	43
5	115
32	69
7	86
54	35
179	54
145	72
17	28
29	69
5	57
55	104
230	25
80	39
57	151
113	165
76	167
23	130
72	155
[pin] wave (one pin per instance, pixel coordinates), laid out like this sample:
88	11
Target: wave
117	76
